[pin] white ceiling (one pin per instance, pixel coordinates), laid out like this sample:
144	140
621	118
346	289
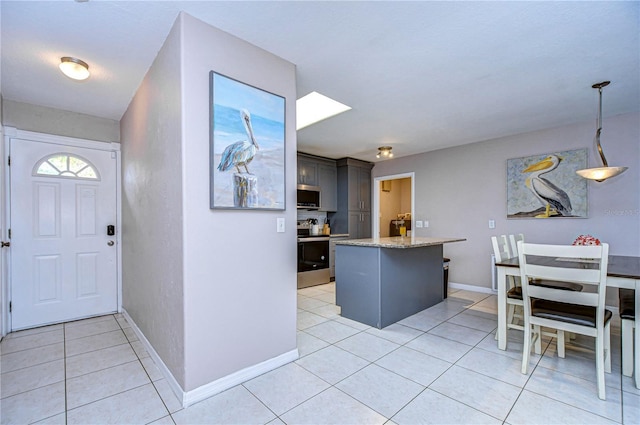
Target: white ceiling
419	76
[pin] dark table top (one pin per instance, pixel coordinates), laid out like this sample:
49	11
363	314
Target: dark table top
619	265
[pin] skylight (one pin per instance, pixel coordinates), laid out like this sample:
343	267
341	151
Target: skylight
316	107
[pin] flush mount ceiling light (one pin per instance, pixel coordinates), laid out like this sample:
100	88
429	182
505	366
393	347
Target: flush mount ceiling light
600	174
74	68
384	152
316	107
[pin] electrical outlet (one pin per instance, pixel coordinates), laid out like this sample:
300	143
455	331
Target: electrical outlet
418	223
280	225
492	224
426	223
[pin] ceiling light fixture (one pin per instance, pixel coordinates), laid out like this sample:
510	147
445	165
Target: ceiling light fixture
384	151
316	107
74	68
600	174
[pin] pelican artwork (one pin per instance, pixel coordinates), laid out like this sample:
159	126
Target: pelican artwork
240	153
555	200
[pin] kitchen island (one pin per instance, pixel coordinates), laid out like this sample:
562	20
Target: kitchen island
380	281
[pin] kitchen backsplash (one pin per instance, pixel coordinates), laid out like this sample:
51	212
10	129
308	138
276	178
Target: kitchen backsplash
318	215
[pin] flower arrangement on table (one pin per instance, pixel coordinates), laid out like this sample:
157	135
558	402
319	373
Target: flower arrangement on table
585	240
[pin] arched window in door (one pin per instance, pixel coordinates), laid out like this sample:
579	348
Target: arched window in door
65	165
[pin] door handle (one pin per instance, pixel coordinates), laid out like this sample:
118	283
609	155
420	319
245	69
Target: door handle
110	243
5	244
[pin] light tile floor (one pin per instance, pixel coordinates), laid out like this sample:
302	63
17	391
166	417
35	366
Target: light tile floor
441	365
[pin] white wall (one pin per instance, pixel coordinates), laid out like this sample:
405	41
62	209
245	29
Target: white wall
459	189
239	274
152	210
214	291
25	116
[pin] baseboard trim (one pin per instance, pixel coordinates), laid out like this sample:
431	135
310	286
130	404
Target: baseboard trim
238	377
188	398
472	288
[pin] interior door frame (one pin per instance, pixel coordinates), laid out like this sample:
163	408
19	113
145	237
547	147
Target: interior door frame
376	198
113	147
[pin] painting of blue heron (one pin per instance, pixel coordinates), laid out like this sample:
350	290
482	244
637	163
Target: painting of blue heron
547	186
247	146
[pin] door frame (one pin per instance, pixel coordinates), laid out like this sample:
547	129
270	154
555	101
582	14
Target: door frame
113	147
376	198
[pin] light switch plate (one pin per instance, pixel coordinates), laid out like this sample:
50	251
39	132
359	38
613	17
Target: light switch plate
280	225
426	223
492	224
418	223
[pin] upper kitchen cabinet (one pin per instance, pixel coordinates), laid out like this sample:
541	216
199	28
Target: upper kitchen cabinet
307	171
321	172
354	198
328	182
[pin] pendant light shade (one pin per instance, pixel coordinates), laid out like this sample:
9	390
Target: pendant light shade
600	174
74	68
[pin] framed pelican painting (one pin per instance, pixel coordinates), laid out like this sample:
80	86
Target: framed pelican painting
547	186
247	146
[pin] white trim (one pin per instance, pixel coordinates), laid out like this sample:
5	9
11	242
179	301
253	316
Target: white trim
471	288
375	216
14	133
187	398
236	378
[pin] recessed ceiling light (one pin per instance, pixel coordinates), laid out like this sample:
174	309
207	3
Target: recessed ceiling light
74	68
316	107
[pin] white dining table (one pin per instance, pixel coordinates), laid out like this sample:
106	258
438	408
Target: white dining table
622	272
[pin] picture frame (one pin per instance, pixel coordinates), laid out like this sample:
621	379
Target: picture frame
247	146
547	186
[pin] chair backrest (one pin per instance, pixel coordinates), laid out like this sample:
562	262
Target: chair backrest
586	265
501	248
513	243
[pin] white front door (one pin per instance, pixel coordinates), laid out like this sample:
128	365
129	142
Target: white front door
63	261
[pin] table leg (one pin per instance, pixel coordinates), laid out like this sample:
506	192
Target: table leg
502	308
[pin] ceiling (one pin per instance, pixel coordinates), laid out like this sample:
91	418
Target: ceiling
419	76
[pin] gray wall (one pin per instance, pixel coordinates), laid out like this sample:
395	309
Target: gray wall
152	210
240	275
460	189
25	116
214	291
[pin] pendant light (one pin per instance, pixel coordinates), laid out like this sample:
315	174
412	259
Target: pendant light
600	174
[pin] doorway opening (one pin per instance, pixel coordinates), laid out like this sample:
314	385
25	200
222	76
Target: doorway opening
393	198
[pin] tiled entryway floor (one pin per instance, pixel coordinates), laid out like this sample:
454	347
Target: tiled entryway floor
441	365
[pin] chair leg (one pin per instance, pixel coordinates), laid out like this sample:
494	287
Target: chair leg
538	344
607	348
510	313
600	364
627	347
560	343
526	347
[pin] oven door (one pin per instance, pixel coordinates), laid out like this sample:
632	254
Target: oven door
313	254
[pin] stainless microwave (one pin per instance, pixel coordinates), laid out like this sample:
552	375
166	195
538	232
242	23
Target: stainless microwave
308	197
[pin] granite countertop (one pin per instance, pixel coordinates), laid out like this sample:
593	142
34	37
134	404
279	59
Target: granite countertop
339	235
398	242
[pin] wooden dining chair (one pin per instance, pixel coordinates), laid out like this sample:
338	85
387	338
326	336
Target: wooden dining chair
580	312
627	309
505	247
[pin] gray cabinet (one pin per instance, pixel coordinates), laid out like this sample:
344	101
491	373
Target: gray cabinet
354	199
321	172
328	182
307	171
